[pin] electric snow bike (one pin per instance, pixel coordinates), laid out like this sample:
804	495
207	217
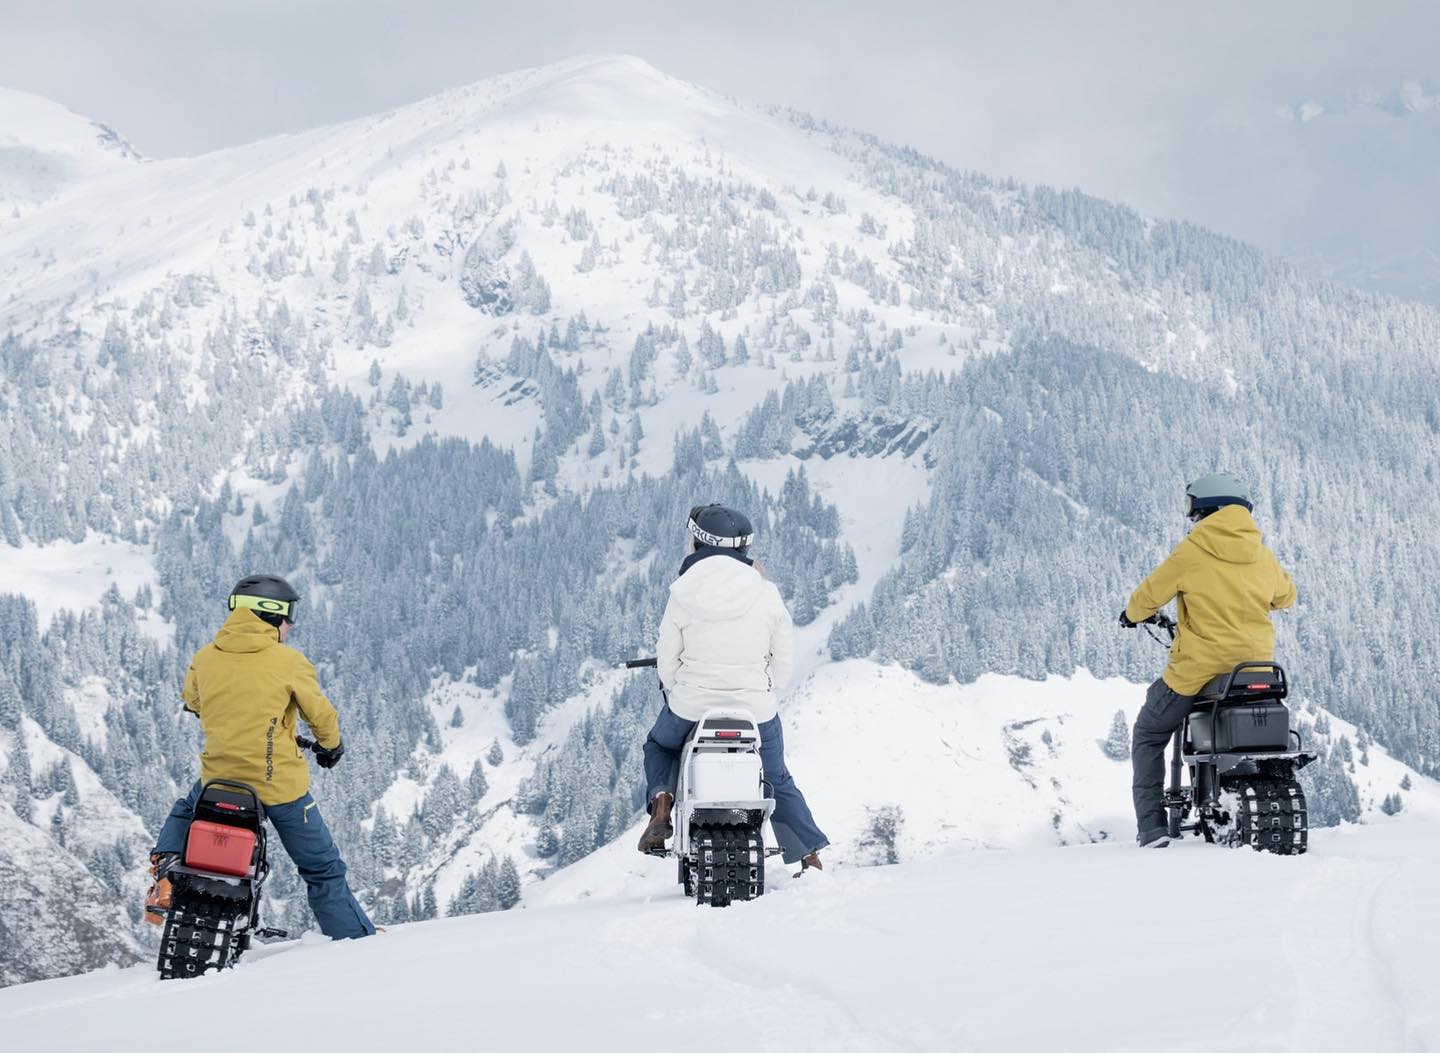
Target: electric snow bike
721	805
1242	756
216	888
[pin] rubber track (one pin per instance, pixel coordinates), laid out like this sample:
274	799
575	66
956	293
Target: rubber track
200	936
1272	816
730	866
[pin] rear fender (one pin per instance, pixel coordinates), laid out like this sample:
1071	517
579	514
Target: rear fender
723	748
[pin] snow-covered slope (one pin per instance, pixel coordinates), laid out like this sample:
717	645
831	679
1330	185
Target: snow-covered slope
66	867
1001	763
1091	948
46	149
625	283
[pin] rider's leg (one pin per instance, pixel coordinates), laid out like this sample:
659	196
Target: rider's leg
308	842
662	773
177	823
169	847
794	826
1164	711
662	752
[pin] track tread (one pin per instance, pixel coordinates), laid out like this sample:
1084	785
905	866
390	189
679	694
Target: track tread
201	934
730	864
1272	815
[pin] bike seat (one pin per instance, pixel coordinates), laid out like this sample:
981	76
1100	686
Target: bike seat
1247	682
232	803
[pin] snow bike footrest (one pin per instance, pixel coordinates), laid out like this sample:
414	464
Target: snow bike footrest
729	863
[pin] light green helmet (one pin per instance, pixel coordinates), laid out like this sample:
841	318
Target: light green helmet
1217	490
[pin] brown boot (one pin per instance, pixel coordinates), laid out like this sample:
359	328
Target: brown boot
652	841
157	901
811	862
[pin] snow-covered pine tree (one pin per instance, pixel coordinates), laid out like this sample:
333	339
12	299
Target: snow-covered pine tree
1116	744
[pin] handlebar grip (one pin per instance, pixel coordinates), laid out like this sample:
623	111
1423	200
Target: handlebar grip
306	744
641	663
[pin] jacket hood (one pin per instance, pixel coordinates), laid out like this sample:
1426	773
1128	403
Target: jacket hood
244	633
1229	535
718	589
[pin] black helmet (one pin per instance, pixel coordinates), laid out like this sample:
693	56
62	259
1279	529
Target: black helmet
1217	490
720	526
271	598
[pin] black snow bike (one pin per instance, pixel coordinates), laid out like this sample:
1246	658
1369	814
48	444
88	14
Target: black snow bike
1242	757
217	887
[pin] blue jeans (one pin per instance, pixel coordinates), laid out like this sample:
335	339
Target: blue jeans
794	826
308	842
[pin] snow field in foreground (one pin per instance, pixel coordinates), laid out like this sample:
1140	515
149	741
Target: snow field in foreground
1099	947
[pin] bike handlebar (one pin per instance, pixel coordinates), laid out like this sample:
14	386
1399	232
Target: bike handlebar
306	744
1165	622
641	663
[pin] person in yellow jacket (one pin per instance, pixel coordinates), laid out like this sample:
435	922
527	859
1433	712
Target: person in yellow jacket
249	689
1225	583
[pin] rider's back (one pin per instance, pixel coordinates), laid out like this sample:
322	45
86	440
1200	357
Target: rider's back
725	640
248	689
1227	583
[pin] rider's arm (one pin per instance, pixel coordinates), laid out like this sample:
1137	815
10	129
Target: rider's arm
667	651
1159	588
782	648
314	706
1284	589
190	693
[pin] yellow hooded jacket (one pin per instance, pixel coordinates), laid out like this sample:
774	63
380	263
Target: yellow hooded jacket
247	688
1227	582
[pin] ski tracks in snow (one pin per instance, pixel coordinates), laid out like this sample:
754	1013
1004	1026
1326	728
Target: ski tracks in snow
1346	994
765	955
737	990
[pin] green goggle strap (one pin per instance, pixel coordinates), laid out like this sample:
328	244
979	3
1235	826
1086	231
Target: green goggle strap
264	605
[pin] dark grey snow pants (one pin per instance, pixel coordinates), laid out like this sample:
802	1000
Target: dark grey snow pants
1164	711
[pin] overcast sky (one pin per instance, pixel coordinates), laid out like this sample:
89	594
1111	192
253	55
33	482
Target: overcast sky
1172	107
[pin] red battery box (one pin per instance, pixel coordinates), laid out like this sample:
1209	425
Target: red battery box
220	849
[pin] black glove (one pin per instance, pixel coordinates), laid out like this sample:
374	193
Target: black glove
1125	621
329	758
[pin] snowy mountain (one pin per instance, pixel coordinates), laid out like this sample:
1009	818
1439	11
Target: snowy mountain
1083	949
459	369
45	149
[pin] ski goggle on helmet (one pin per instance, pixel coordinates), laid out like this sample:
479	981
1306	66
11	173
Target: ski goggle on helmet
1216	490
272	598
720	526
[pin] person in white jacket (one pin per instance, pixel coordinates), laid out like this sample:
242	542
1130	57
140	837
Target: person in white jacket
726	641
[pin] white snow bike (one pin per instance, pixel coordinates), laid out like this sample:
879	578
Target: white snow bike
1242	756
721	805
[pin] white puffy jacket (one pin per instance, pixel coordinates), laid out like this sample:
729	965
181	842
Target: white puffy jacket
726	640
